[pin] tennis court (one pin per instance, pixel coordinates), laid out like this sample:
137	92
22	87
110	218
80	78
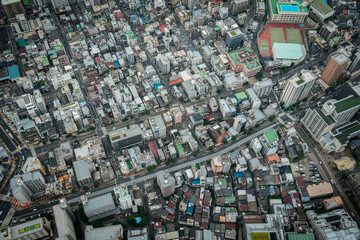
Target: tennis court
277	35
264	46
293	35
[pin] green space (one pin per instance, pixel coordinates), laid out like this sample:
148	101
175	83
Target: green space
277	35
264	45
293	35
234	57
271	135
301	236
180	149
346	104
260	236
300	82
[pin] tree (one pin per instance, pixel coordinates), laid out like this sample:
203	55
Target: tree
225	141
257	125
196	153
130	219
272	118
211	148
116	222
132	116
245	131
247	144
143	222
167	162
218	91
85	188
175	160
96	184
246	83
73	191
251	129
233	138
112	122
313	98
259	75
82	214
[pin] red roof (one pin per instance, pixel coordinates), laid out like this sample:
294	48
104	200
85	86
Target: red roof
210	117
300	182
277	179
162	23
187	194
109	64
170	217
171	205
176	81
204	225
162	28
287	199
230	225
153	149
97	60
244	208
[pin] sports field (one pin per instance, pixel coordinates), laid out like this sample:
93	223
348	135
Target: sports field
293	35
264	46
277	35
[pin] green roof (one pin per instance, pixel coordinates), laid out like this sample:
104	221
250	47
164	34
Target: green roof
260	236
180	149
343	137
222	183
290	51
346	104
322	7
299	82
271	135
216	28
328	119
301	236
229	199
234	57
241	96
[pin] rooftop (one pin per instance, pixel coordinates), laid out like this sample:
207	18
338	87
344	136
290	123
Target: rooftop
328	119
292	51
346	104
99	205
20	231
322	6
301	236
108	232
271	135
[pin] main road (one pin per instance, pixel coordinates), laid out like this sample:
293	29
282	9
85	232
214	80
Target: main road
75	199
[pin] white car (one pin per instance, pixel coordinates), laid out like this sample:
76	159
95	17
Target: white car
332	181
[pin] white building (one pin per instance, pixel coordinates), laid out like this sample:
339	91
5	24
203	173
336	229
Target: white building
123	197
263	88
60	3
40	101
254	99
158	126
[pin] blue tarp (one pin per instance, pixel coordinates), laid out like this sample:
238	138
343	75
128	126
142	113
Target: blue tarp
196	181
138	220
157	85
239	174
143	19
192	49
13	72
117	64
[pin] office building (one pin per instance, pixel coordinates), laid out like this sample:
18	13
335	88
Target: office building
35	229
240	123
336	224
13	7
34	181
40	103
321	9
158	126
254	99
33	164
214	6
166	183
287	11
130	55
297	88
125	138
344	109
234	38
64	218
60	4
355	65
99	207
31	106
237	6
328	31
20	191
263	88
123	197
23	23
163	64
108	232
83	170
335	66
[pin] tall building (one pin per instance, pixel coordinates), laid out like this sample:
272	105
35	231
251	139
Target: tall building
234	38
36	229
22	21
297	88
244	60
20	191
269	141
321	9
263	88
64	218
287	11
123	197
240	123
60	3
40	103
13	7
237	6
31	105
166	183
214	6
336	64
163	64
130	55
355	65
98	207
327	31
345	109
158	126
124	138
34	181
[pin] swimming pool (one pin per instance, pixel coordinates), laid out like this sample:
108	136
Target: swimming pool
289	8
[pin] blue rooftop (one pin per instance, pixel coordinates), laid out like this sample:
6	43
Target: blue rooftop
192	49
13	72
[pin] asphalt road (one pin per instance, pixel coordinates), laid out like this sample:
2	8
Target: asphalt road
75	199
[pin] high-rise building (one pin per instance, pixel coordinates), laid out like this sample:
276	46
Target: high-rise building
297	88
163	64
64	218
60	3
40	101
123	197
31	105
336	64
214	6
279	11
263	88
125	138
36	229
355	65
34	181
22	21
166	183
20	191
321	9
234	38
158	126
13	7
237	6
269	141
130	55
327	31
240	123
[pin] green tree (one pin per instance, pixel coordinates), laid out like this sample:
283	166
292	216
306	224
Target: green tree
272	118
73	191
96	184
259	75
130	219
257	125
143	222
218	91
85	188
167	162
246	83
116	222
247	144
225	141
233	138
97	224
211	148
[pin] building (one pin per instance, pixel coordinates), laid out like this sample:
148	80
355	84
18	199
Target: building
336	224
36	229
34	181
288	51
123	197
263	88
158	126
216	164
297	88
344	109
244	60
163	64
125	138
31	106
40	103
254	99
130	55
269	141
287	11
28	130
234	38
13	7
91	149
137	234
321	9
328	31
20	191
335	66
83	170
214	6
355	65
237	6
64	218
240	123
319	190
60	4
354	181
33	164
108	232
99	207
166	183
333	202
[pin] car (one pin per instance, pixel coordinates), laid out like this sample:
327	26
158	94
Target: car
1	212
34	209
332	181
